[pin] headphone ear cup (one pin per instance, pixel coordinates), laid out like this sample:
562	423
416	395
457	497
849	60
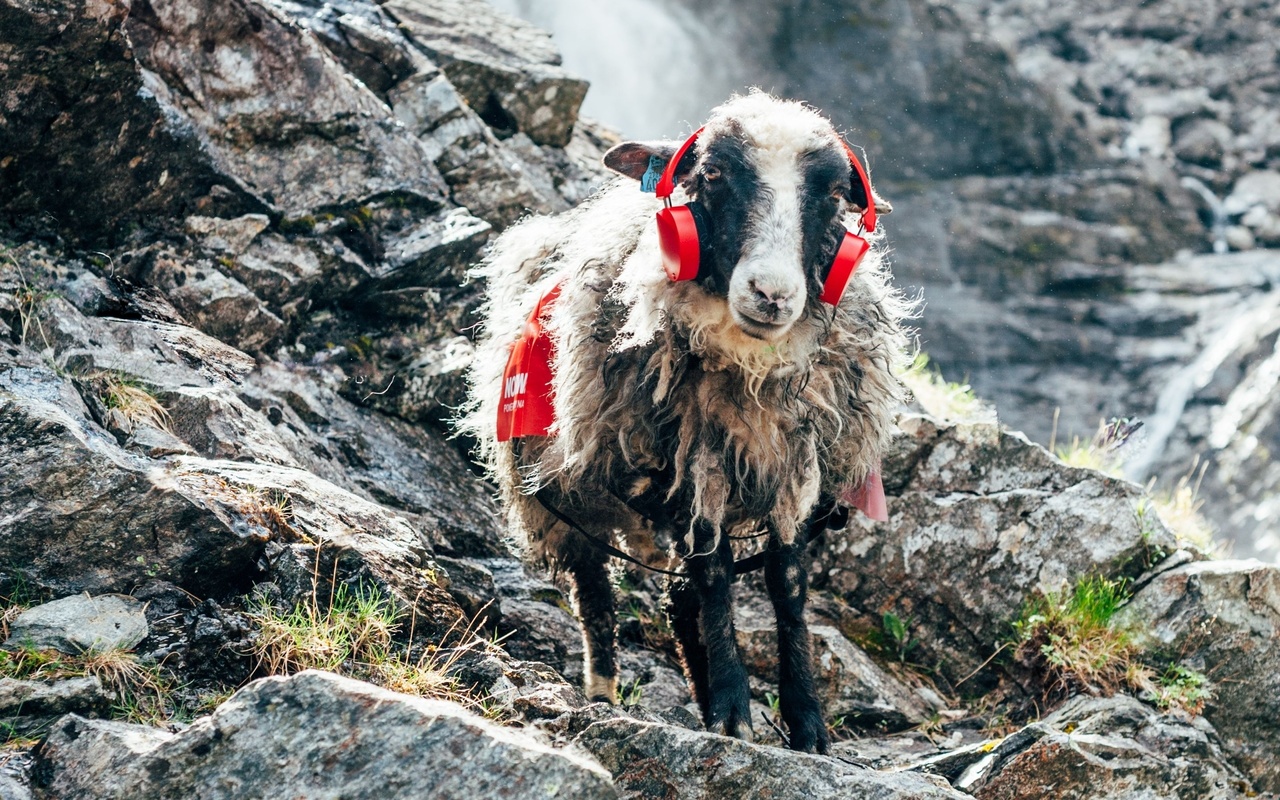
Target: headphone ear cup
678	239
850	254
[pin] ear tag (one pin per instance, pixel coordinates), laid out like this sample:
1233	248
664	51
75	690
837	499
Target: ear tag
525	408
649	180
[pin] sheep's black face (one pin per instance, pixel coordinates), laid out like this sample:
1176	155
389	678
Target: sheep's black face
774	218
771	183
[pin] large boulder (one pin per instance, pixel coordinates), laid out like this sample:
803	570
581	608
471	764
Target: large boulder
981	519
652	760
1109	747
216	107
508	71
318	735
1222	618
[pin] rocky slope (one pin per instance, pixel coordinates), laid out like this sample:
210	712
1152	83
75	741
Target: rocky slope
232	323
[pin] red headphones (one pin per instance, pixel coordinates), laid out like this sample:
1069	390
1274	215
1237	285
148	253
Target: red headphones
679	231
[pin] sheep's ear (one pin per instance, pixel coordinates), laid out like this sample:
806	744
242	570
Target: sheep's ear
859	198
633	158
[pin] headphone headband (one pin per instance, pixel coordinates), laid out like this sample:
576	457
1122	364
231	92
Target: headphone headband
868	213
667	184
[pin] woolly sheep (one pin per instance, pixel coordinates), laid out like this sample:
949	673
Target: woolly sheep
686	411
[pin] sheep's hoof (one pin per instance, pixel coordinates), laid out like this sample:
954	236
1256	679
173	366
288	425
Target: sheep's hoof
737	728
809	735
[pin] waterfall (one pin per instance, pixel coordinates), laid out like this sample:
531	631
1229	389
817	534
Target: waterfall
1218	224
655	71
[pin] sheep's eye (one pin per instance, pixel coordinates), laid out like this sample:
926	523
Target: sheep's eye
710	173
838	192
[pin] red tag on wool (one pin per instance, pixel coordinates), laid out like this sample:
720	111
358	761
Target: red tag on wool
525	408
869	498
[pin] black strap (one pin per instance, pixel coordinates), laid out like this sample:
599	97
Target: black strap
834	517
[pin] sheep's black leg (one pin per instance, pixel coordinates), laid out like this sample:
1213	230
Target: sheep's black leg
683	610
711	570
788	584
592	597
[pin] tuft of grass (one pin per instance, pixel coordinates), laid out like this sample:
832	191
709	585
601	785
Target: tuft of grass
132	399
1179	509
29	297
946	400
1070	636
143	693
358	635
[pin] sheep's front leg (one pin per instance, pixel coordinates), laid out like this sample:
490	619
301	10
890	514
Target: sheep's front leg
787	580
711	570
592	597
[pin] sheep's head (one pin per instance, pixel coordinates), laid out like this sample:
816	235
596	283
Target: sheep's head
772	184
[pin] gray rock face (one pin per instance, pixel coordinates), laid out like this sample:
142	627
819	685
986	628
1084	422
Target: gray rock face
507	70
1222	618
650	760
290	732
1114	747
79	624
980	519
28	707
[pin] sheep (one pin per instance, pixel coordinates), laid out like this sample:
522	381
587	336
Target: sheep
687	413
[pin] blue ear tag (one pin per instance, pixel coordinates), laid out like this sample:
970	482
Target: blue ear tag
649	180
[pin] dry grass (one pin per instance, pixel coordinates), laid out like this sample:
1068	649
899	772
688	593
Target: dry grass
358	634
142	692
948	401
1179	510
132	399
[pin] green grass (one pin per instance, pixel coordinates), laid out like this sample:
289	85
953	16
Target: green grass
1069	634
142	693
1072	637
361	634
946	400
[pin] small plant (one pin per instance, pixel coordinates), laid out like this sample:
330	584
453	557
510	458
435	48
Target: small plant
1179	510
1181	687
28	297
1104	452
940	397
897	635
1070	635
629	694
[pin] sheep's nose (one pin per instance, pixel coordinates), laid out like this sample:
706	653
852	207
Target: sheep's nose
771	299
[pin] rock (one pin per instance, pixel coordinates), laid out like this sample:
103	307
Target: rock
218	424
1260	188
242	111
1239	238
849	683
1111	747
77	748
227	235
292	732
80	624
29	706
1222	618
434	383
980	519
652	760
434	252
69	488
507	70
217	304
1202	141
